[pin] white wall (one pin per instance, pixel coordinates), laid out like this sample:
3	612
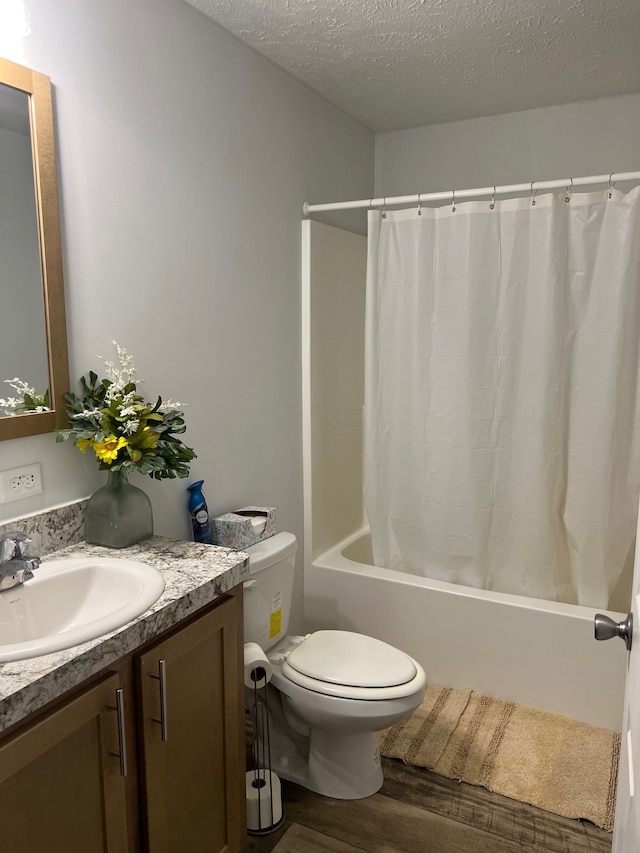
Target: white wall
590	138
184	161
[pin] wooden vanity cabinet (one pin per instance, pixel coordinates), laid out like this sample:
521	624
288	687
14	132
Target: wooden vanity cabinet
60	783
61	788
192	726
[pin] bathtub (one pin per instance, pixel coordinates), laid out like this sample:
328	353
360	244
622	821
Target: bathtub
527	650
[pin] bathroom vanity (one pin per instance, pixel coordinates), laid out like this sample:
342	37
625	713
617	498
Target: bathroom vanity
135	741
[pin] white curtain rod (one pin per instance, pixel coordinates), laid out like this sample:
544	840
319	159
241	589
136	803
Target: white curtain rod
456	195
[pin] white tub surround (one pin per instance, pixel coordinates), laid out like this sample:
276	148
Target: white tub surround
194	576
539	653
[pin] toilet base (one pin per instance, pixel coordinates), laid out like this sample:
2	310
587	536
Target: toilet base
340	766
344	766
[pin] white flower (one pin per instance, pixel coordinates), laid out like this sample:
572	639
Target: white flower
21	387
20	402
119	376
127	412
89	415
130	427
10	403
116	392
170	405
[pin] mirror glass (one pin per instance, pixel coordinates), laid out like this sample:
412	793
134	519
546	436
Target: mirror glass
23	336
33	347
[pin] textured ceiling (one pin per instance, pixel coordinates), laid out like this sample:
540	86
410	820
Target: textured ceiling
395	64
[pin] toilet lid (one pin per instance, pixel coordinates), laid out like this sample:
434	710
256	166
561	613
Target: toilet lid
354	660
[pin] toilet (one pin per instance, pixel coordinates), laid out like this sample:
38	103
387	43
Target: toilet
330	691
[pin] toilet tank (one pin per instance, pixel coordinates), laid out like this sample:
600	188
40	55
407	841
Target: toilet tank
267	593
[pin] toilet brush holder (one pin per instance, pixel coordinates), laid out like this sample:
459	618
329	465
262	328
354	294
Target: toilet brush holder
264	802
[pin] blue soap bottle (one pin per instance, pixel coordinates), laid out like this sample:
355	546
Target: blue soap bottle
199	513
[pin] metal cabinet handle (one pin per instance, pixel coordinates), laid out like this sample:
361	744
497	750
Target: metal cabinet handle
122	739
162	678
605	628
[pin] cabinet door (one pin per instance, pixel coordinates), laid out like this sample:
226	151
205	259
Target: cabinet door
192	717
60	784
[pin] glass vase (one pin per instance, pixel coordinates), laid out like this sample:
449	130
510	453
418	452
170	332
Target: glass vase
118	514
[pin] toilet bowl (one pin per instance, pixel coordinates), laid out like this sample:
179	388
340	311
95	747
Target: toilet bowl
330	691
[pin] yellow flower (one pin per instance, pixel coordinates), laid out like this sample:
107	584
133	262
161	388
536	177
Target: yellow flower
83	443
108	448
148	438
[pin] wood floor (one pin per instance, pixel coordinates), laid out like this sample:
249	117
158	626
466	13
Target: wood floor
419	812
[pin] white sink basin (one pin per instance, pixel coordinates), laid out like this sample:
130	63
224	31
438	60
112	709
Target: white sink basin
70	601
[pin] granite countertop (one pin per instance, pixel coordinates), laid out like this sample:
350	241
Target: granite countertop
194	575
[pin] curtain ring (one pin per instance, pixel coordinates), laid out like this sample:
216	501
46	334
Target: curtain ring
611	184
370	204
569	192
493	199
419	205
384	207
533	194
453	201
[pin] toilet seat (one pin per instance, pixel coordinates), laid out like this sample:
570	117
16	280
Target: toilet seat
352	666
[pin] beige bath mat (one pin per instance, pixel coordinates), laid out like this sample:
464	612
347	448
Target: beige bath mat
421	738
550	761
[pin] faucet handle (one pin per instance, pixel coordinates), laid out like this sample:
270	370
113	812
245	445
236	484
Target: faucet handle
30	563
13	543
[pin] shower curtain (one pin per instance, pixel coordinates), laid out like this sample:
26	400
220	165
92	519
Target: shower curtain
502	443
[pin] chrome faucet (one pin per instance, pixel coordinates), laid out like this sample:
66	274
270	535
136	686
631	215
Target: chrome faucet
16	566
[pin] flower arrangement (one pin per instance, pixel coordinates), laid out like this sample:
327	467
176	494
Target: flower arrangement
28	399
126	433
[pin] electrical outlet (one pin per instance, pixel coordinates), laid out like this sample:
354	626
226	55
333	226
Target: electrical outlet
22	482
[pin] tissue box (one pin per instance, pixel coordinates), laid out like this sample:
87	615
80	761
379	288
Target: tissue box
244	527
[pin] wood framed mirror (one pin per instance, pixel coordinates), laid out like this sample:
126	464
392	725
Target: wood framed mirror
33	333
